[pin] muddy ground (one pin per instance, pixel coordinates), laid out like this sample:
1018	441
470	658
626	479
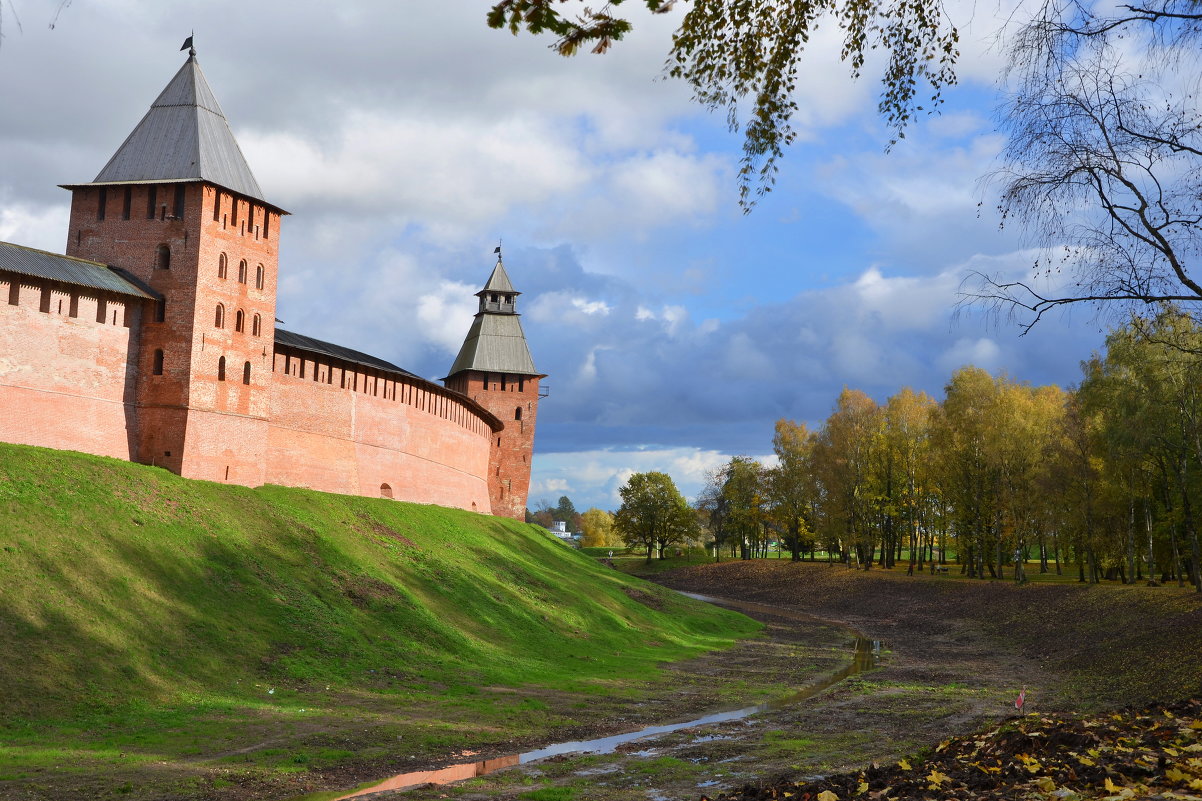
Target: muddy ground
954	656
941	673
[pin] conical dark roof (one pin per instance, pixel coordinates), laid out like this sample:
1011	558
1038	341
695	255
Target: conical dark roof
496	343
499	281
183	137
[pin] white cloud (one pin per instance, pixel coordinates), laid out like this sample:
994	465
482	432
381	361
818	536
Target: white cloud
979	352
566	308
42	227
667	185
452	174
670	315
591	307
547	486
445	313
906	302
593	477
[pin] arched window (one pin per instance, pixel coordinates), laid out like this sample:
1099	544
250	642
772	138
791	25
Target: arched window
517	413
219	317
240	321
246	373
256	325
259	277
385	491
158	362
221	369
223	266
242	272
163	261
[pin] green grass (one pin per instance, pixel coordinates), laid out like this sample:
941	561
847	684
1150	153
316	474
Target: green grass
550	794
144	614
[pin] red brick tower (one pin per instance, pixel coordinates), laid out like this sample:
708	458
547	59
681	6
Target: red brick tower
178	207
494	368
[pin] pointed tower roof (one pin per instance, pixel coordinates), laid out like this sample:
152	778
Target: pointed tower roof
499	281
496	343
183	137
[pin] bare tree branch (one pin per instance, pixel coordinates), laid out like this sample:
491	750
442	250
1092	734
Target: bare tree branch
1102	169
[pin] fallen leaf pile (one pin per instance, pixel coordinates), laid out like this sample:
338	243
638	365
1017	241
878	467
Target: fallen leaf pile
1154	753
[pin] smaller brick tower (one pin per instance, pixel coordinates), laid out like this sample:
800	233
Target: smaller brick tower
494	369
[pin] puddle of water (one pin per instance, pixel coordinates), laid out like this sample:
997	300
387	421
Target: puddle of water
864	658
454	773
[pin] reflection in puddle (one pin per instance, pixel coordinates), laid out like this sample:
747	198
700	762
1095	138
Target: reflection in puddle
455	773
864	658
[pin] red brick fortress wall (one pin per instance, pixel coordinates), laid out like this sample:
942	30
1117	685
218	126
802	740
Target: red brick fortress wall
233	339
204	365
345	428
67	377
513	399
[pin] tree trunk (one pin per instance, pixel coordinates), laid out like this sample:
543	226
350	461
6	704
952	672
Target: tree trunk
1130	542
1176	574
1191	531
1148	528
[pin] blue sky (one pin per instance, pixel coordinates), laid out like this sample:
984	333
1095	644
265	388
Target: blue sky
407	138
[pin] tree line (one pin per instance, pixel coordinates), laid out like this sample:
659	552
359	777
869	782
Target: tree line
1099	480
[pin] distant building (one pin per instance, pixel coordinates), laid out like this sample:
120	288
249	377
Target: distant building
560	529
155	339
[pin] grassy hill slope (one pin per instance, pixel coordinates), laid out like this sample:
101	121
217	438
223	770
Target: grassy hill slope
131	597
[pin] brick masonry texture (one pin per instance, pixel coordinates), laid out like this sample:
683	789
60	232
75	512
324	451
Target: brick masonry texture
195	383
228	405
514	400
67	382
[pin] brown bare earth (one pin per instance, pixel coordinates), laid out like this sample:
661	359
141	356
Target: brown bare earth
955	656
